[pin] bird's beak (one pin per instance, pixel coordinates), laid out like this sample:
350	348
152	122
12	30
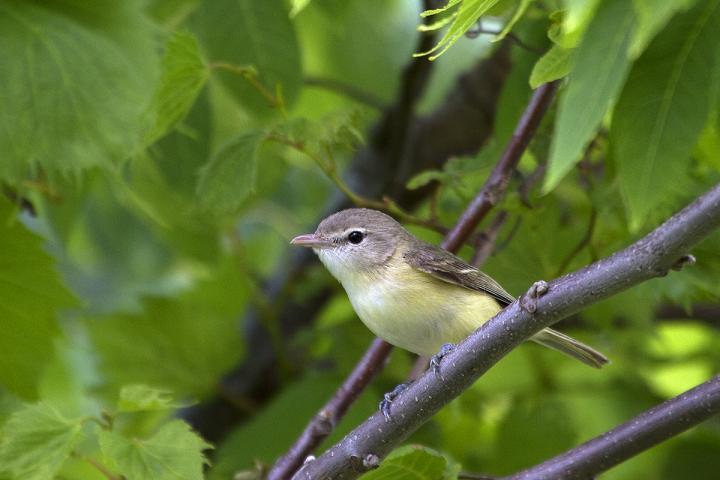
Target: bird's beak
310	240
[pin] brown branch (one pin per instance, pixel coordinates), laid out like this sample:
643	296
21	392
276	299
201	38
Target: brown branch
543	305
329	415
632	437
497	183
487	238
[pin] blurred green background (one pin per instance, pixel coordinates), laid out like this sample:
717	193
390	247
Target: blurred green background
156	156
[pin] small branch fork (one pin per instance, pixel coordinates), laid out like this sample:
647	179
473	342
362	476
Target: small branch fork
652	256
490	194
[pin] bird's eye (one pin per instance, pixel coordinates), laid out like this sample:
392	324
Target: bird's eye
355	237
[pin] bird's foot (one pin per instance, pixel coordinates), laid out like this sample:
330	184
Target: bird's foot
388	398
437	358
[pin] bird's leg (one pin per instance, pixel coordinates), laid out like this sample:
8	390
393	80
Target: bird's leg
437	358
387	401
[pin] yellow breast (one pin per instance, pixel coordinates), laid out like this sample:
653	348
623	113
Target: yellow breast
416	311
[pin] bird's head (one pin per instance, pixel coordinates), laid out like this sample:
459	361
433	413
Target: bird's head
355	241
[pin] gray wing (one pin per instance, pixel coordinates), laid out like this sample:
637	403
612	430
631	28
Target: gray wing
445	266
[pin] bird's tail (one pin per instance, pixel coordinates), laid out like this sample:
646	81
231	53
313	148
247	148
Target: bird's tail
569	346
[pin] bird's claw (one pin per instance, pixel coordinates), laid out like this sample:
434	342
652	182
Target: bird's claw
388	398
437	358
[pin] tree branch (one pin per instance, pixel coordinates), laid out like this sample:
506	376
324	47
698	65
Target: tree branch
627	440
330	415
497	183
543	305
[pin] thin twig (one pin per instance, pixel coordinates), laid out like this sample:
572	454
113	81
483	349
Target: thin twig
487	238
480	30
386	205
350	91
543	305
584	242
495	186
632	437
250	74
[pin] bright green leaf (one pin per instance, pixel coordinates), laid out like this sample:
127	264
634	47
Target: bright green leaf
175	452
31	293
578	15
598	71
142	398
254	34
519	12
468	14
35	442
183	76
74	85
663	109
553	65
229	178
445	8
652	16
410	463
297	6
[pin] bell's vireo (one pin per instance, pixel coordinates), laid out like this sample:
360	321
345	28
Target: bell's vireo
410	293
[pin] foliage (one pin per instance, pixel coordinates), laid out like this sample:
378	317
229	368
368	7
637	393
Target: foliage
158	155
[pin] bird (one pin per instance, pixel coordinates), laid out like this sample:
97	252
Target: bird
413	294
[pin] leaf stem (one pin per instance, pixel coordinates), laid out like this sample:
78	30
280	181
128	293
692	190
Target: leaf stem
250	74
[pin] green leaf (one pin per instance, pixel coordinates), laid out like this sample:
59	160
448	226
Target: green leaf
142	398
529	423
652	16
663	109
175	452
183	344
577	16
31	293
297	6
423	178
410	463
35	442
184	74
519	12
74	85
551	66
468	14
229	178
599	70
249	33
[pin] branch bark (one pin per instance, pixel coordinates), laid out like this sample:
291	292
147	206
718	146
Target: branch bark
543	305
492	191
627	440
